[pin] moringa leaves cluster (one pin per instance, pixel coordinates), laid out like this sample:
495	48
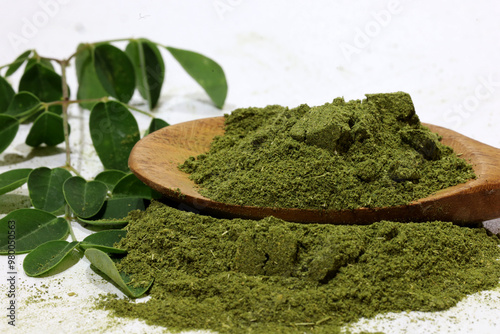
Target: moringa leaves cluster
108	77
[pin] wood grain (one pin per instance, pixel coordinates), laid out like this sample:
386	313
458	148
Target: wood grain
155	158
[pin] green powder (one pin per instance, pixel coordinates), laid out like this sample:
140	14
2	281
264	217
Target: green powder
341	155
272	276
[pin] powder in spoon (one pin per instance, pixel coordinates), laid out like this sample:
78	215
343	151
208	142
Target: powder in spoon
341	155
272	276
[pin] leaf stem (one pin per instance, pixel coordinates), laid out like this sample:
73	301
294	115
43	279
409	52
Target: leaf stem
101	99
71	169
139	110
68	219
65	91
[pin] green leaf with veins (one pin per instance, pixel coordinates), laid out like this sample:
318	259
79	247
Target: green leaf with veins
32	228
45	187
114	132
114	71
205	71
47	256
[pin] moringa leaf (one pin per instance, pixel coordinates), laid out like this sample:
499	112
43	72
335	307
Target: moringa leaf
24	104
45	187
149	69
131	186
8	130
114	71
84	198
39	60
6	94
156	124
13	179
31	227
115	211
47	256
47	129
110	177
14	66
114	132
209	75
105	264
105	241
43	83
89	86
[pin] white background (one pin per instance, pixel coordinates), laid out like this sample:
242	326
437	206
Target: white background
445	54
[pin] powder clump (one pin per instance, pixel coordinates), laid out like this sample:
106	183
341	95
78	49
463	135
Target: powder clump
272	276
341	155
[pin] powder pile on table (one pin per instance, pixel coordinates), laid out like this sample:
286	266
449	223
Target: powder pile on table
272	276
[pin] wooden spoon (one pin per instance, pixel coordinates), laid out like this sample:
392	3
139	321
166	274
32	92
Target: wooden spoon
155	158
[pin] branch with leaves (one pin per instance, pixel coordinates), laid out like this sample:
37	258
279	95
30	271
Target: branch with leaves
107	79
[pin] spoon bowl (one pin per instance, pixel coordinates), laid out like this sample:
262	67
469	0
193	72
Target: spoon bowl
155	159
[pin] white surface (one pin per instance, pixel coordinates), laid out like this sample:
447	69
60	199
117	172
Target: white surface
273	52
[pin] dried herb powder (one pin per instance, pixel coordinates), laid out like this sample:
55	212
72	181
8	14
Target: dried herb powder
272	276
341	155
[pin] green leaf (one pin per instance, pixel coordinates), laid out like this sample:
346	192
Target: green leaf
115	211
23	104
156	124
8	130
105	241
13	179
31	228
103	262
89	86
110	177
45	187
14	66
41	61
44	83
6	94
114	132
131	186
47	128
205	71
84	198
47	256
115	71
149	69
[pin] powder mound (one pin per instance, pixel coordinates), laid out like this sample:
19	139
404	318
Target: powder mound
341	155
272	276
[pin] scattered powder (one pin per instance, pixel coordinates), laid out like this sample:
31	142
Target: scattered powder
272	276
